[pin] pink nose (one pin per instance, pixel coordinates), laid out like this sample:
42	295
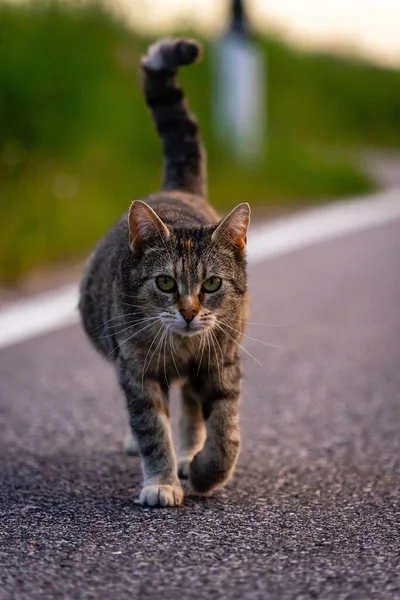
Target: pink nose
188	313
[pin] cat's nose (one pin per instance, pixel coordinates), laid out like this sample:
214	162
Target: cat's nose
188	313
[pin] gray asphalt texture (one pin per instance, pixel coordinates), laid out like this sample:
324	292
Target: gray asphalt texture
313	510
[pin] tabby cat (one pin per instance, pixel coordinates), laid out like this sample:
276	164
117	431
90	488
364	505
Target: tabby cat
164	299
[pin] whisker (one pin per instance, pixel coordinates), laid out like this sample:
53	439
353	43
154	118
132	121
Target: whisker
161	346
202	346
212	336
129	324
112	319
240	345
171	345
165	348
220	349
129	296
209	351
157	346
132	305
130	337
147	364
262	324
251	338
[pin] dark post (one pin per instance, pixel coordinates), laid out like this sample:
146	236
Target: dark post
238	18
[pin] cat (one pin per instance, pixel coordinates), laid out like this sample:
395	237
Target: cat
164	297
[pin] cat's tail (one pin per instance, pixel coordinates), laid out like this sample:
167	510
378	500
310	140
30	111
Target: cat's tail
184	154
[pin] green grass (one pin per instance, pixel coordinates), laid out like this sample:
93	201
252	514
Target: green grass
77	143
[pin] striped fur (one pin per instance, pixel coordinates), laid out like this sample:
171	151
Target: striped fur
185	157
188	335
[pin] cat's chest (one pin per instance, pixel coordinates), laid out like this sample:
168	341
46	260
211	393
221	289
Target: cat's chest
178	349
175	357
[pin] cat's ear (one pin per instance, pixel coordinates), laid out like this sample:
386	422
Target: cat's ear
232	231
144	226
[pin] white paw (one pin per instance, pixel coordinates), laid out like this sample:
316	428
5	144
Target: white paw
161	495
131	446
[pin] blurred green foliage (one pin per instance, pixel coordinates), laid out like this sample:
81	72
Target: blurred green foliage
77	143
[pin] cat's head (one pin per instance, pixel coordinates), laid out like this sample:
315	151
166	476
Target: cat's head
191	280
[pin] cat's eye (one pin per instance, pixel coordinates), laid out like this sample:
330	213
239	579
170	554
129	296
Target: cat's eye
212	284
166	284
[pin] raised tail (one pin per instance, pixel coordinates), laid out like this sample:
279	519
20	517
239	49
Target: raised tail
184	154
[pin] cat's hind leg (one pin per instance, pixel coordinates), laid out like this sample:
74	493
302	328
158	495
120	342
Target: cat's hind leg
192	430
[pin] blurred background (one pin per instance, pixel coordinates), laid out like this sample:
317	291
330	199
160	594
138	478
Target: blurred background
77	143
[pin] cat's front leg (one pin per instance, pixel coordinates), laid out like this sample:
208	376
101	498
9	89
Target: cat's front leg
215	463
149	420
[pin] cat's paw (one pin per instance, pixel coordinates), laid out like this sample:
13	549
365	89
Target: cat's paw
161	495
211	469
184	468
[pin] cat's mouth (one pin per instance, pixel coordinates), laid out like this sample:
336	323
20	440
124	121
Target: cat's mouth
187	330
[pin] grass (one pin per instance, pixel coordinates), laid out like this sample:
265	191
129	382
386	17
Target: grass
77	143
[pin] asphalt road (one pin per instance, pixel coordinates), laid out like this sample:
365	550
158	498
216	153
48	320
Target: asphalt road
314	508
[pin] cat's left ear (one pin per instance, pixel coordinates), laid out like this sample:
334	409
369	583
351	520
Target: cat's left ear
232	231
144	226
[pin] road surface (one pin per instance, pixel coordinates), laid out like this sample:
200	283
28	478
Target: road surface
314	508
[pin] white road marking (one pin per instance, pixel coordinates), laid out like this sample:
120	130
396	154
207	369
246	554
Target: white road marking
322	224
54	310
37	315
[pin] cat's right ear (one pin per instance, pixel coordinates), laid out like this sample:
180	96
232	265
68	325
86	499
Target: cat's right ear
144	226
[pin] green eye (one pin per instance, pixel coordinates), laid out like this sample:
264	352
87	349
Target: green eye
166	284
211	285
